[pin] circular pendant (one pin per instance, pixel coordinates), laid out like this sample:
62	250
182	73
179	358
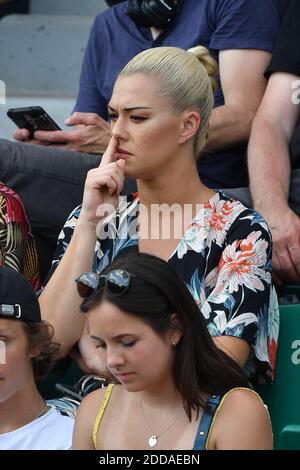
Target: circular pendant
152	441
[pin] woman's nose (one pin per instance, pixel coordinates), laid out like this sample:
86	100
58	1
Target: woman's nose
119	129
114	358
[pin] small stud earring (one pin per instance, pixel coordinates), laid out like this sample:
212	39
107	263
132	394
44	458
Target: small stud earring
174	344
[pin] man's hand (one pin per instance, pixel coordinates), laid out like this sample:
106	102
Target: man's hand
285	228
23	135
91	135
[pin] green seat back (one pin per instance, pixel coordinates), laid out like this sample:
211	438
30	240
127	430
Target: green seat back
283	397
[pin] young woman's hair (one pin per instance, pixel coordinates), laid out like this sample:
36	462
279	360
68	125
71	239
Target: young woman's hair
154	294
188	78
40	337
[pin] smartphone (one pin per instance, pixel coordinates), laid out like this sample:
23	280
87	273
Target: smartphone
33	118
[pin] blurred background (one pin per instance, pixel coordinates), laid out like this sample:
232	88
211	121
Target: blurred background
42	43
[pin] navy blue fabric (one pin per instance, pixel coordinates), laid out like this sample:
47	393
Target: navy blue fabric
216	24
286	57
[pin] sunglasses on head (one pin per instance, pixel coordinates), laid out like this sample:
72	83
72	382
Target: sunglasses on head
117	281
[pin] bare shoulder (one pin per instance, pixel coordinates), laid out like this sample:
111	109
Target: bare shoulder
242	422
241	397
91	404
93	399
85	419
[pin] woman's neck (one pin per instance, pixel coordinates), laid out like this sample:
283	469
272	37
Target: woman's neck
163	395
20	409
184	188
177	182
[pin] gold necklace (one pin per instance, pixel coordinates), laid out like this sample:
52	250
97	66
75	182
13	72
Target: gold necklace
153	439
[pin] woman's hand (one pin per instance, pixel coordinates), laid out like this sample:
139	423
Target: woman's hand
103	186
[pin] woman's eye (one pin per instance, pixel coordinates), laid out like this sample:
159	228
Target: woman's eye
102	346
129	344
138	118
112	117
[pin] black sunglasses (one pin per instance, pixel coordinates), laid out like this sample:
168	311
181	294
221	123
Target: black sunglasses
117	281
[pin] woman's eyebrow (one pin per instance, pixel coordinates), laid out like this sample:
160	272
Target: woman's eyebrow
96	338
115	337
131	108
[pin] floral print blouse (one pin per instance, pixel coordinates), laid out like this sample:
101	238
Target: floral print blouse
224	257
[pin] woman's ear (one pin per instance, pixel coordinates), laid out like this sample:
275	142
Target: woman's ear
191	121
175	332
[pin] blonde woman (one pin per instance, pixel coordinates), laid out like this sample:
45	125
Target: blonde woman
159	113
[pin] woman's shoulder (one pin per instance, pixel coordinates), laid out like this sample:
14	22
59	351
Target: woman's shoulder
95	398
244	416
241	396
241	216
91	405
89	415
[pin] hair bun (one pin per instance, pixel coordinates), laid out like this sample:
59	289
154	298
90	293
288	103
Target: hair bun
207	61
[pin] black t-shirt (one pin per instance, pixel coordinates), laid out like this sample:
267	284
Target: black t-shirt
286	58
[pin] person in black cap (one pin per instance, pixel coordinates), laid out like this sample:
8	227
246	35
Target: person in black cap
28	353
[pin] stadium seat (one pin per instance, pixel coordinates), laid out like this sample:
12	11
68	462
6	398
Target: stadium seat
283	397
40	63
67	7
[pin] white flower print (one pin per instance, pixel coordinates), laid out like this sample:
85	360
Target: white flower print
243	264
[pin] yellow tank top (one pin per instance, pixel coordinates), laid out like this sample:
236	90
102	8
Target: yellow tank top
101	411
207	434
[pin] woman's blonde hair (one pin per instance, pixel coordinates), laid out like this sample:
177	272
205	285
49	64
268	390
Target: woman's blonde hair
188	78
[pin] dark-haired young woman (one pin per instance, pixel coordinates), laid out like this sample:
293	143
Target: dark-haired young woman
173	388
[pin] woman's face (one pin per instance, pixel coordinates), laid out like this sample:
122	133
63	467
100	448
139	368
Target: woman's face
146	125
15	359
130	349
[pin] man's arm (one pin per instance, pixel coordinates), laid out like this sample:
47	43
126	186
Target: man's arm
269	171
237	348
243	84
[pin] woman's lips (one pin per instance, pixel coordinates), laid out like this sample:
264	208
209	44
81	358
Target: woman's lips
122	154
120	150
124	377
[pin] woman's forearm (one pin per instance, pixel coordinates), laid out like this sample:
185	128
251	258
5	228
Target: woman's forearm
60	302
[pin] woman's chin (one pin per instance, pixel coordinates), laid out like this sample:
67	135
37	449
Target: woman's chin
130	173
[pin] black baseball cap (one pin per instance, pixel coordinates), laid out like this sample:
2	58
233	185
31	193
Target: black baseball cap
111	3
17	297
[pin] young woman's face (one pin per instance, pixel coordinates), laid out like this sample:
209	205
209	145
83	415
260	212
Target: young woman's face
146	126
130	349
15	362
